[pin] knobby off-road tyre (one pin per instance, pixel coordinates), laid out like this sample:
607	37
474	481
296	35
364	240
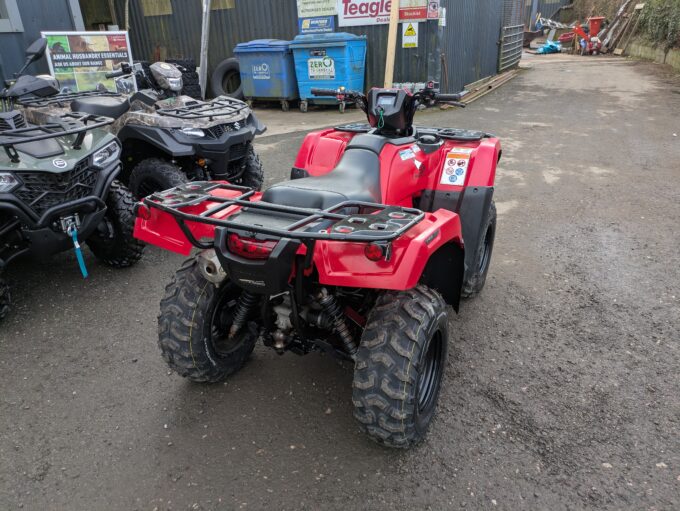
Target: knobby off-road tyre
253	173
155	175
5	299
113	241
399	366
193	324
475	282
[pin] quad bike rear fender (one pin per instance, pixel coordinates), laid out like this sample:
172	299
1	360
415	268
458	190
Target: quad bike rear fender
432	251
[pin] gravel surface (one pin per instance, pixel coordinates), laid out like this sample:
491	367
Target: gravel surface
561	392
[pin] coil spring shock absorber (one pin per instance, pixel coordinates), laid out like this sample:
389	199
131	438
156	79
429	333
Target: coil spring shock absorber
332	308
245	304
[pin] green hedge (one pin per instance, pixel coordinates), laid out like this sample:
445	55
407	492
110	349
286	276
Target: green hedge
660	22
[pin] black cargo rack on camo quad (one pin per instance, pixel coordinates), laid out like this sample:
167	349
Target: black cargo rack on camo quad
72	124
373	223
447	133
218	107
66	97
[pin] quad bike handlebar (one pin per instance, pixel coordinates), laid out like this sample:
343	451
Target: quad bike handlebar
421	96
125	69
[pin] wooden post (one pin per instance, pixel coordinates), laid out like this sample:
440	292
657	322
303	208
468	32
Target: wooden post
392	44
205	39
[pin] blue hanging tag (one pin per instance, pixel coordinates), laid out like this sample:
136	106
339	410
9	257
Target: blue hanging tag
79	253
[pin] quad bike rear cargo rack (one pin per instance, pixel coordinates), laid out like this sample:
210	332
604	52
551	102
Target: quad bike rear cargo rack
66	97
218	107
447	133
370	223
72	124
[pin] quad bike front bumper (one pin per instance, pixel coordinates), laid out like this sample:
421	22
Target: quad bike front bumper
35	210
220	145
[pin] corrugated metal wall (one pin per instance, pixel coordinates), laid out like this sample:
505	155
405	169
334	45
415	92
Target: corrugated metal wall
546	8
36	15
469	41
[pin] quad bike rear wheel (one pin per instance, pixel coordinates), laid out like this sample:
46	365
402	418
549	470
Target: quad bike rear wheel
474	283
400	365
155	175
194	324
113	242
5	299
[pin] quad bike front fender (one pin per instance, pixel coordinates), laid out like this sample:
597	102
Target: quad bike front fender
345	264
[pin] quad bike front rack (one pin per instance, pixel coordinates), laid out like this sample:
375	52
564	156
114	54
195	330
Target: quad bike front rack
367	223
71	123
63	98
199	110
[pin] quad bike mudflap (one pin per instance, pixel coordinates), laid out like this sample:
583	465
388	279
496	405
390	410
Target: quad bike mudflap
357	257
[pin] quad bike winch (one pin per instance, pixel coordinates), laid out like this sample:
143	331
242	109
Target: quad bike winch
167	138
382	226
58	184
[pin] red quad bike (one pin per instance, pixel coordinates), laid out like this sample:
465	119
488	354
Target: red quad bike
379	229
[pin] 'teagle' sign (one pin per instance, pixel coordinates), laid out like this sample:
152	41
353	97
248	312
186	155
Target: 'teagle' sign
374	12
352	13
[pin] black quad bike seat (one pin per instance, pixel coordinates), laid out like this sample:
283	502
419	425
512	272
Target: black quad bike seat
355	178
104	106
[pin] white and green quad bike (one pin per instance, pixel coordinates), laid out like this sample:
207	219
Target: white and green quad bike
58	185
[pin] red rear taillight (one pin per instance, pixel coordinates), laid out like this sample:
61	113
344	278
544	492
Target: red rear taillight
374	252
250	248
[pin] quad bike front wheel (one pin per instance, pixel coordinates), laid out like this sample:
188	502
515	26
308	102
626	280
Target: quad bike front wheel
400	365
474	283
252	174
5	299
113	241
194	327
155	175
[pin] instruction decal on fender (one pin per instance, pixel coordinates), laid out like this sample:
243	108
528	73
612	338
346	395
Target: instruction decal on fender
407	154
456	166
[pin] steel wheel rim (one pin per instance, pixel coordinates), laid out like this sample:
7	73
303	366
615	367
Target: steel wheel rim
430	376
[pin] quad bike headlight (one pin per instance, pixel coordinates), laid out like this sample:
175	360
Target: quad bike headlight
8	182
106	155
193	132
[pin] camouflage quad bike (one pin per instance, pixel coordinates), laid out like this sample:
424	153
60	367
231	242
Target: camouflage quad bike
168	139
57	184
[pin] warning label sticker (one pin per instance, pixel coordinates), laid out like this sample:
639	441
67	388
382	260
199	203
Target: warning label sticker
456	166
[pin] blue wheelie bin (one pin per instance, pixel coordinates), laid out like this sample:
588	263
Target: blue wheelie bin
267	71
328	61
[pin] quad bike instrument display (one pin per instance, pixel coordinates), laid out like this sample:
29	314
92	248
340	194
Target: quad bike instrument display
359	255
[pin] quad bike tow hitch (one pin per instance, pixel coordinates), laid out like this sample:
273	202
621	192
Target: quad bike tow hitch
70	226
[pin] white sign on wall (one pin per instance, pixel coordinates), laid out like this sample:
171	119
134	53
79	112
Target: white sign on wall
409	34
316	8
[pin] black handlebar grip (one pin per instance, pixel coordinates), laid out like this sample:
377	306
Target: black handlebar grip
324	92
115	74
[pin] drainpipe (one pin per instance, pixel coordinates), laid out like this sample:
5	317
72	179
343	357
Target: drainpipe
205	39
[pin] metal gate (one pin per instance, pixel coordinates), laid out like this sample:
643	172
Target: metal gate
512	35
